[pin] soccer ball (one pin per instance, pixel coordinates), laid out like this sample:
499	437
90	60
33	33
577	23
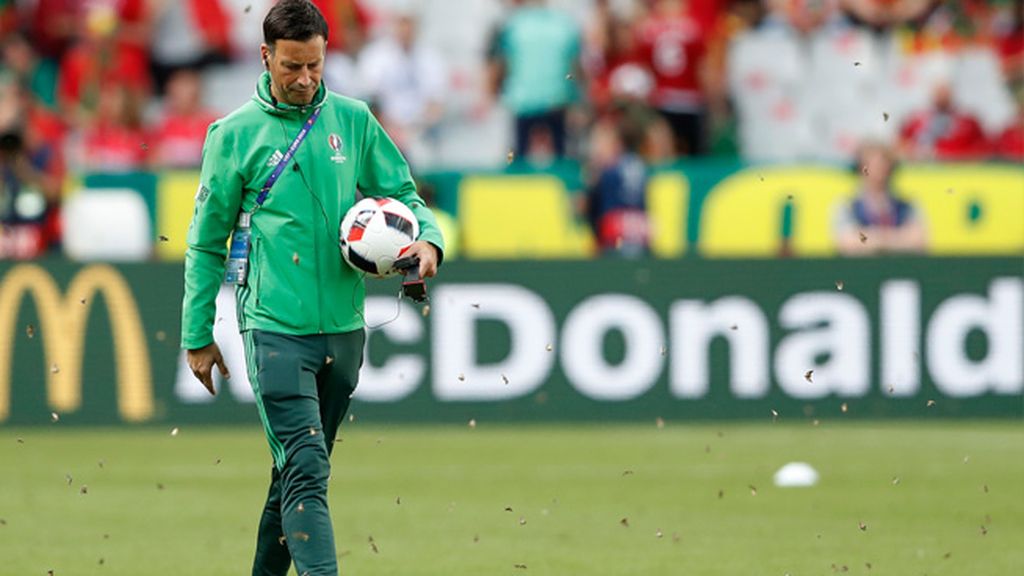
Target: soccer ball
375	233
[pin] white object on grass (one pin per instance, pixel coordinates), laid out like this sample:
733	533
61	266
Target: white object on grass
796	475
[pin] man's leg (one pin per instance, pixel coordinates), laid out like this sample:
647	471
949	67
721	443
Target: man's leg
272	556
524	123
555	121
284	383
337	380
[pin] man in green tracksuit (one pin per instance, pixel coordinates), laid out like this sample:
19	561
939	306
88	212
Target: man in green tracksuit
300	306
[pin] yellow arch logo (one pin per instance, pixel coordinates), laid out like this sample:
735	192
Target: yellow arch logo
62	328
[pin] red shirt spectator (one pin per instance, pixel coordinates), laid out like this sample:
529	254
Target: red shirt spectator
110	53
115	141
673	45
177	140
53	26
57	24
90	66
618	72
133	26
707	12
942	132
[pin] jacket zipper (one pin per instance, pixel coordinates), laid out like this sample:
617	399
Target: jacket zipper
316	266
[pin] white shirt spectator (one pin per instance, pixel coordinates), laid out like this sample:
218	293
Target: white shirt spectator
404	84
407	82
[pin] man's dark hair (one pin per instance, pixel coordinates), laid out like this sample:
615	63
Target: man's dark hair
296	20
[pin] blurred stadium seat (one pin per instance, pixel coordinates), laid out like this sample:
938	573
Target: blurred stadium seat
107	224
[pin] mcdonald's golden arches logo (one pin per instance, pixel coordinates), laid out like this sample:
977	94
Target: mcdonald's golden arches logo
62	327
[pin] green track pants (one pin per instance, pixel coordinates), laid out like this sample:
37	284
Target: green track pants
303	386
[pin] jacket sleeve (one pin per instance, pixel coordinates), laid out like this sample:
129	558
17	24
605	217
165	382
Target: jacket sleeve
216	210
384	172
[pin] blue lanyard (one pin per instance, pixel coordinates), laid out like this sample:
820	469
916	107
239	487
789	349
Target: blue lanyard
262	196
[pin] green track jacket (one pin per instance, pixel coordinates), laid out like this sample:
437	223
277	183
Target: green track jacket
298	282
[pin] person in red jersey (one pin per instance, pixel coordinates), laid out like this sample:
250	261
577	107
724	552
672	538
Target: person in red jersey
615	66
179	135
114	141
107	55
673	46
942	132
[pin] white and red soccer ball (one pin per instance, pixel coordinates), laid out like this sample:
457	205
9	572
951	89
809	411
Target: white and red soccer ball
376	232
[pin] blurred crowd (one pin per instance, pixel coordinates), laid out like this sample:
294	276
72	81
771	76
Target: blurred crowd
614	85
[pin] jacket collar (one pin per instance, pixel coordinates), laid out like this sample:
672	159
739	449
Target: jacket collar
265	100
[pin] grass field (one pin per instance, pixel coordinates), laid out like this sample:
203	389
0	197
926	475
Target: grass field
904	499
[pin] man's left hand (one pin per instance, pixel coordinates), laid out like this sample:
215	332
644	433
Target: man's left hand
427	253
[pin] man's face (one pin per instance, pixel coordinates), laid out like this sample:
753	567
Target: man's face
295	69
876	169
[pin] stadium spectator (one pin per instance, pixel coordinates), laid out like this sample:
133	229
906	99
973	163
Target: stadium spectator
115	140
616	198
53	26
658	145
31	173
707	12
38	74
615	68
876	221
673	46
177	139
189	34
98	61
134	26
597	32
766	68
350	22
534	61
406	82
942	131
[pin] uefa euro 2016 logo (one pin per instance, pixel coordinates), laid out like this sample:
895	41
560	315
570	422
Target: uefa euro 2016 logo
335	142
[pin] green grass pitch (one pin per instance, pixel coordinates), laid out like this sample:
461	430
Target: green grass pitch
902	499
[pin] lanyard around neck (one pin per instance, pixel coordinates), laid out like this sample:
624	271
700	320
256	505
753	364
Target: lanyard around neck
288	155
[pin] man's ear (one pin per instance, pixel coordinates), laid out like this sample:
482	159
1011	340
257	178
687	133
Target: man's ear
265	55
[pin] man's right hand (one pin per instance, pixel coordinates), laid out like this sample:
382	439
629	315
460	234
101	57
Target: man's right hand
202	360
